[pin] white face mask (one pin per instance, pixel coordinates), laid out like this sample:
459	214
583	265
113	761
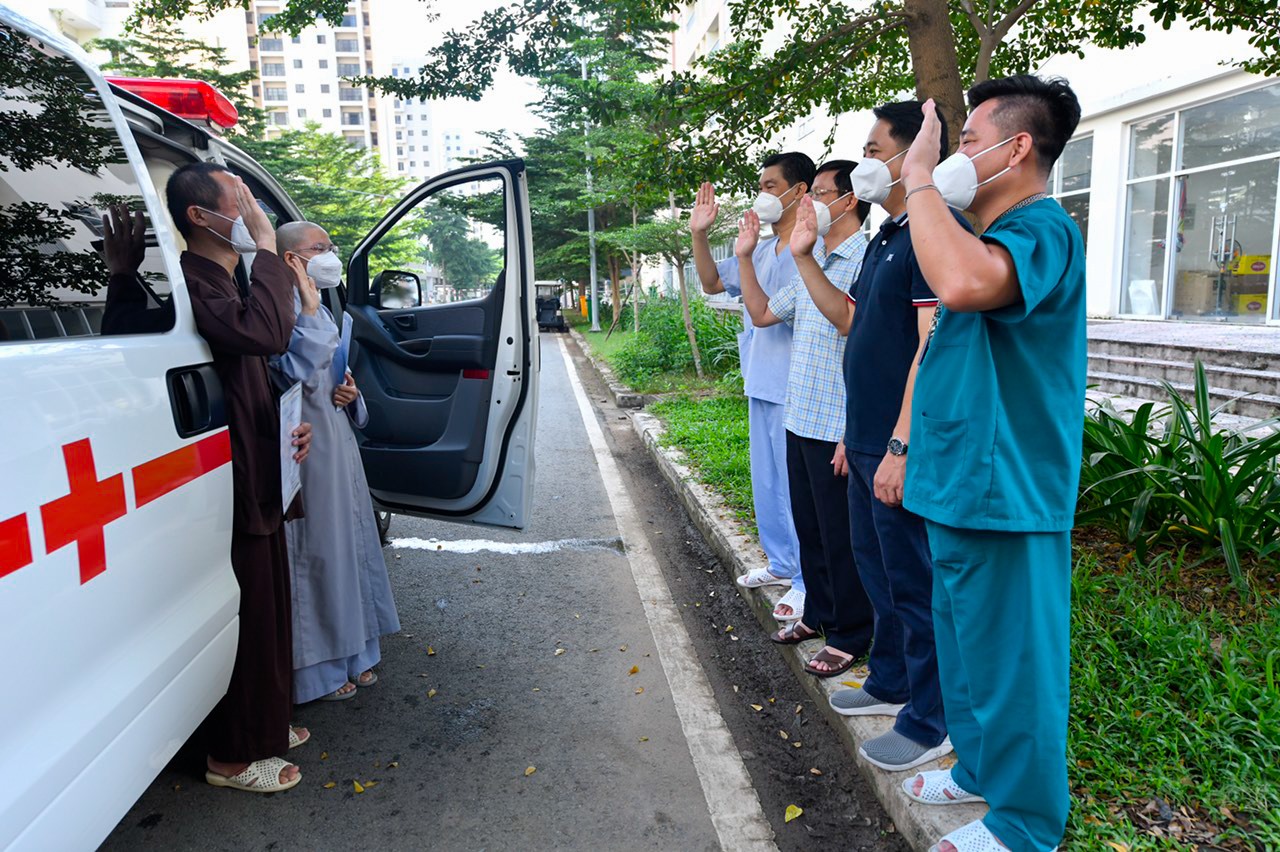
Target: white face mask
241	240
769	207
824	215
326	269
957	178
871	179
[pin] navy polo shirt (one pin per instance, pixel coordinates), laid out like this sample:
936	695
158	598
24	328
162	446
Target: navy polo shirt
884	337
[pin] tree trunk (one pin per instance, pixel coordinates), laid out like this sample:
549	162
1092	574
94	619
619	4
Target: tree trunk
933	56
688	322
615	288
636	289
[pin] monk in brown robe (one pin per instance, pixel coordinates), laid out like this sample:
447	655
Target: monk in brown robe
216	213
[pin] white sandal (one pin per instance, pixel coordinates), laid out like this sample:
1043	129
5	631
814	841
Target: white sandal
939	789
974	837
758	577
295	740
794	598
261	776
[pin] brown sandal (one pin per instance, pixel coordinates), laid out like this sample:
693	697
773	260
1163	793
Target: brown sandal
790	635
824	656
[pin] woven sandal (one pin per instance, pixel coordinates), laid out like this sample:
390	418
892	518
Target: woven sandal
793	598
295	740
261	776
758	577
939	789
974	837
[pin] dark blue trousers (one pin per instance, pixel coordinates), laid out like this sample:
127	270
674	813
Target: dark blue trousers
891	546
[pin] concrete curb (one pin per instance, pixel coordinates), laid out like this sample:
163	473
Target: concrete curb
623	396
921	825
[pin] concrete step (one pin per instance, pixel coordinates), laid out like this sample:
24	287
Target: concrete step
1230	378
1258	405
1128	404
1242	347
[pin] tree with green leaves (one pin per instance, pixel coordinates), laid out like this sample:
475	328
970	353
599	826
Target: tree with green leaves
343	189
669	238
465	261
162	51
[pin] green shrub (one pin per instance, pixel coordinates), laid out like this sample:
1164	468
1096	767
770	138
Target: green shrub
1168	475
661	346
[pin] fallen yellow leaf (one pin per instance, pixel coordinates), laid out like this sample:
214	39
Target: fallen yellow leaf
815	771
793	812
393	764
324	755
639	690
773	701
644	739
757	707
784	735
797	744
634	670
1119	847
530	771
799	707
537	689
851	683
331	785
729	629
431	693
369	784
559	651
623	649
431	652
356	785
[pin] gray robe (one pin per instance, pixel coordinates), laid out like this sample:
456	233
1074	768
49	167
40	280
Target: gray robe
341	593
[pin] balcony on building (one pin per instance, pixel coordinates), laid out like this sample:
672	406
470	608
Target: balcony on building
347	45
346	93
273	69
348	69
275	94
353	119
271	45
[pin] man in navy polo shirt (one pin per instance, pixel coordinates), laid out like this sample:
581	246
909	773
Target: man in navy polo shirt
887	315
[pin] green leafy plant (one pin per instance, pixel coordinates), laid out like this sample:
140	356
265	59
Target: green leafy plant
1169	475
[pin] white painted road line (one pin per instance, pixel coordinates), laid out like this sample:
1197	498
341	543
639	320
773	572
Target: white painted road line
732	801
476	545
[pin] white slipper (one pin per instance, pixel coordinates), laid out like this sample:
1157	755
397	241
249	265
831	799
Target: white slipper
373	678
794	598
939	789
758	577
338	696
974	837
261	776
295	740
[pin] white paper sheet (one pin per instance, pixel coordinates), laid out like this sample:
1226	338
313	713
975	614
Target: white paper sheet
290	418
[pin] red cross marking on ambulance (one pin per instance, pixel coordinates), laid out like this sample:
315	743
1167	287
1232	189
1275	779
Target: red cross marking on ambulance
15	544
82	515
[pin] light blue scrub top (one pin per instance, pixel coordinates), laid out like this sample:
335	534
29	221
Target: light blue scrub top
997	421
765	352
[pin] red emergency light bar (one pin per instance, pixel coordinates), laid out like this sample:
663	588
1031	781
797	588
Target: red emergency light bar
191	99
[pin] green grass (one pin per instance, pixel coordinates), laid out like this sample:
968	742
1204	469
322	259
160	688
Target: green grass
1167	703
712	432
605	348
1175	677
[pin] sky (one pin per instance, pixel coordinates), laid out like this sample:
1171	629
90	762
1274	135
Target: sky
503	108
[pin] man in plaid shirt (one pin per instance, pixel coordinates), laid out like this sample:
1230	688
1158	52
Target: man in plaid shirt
835	604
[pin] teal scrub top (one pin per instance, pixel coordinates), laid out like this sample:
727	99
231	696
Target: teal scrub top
997	421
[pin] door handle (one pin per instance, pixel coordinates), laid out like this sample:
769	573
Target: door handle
407	322
195	395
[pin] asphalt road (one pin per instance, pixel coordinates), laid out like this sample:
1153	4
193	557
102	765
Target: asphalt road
532	650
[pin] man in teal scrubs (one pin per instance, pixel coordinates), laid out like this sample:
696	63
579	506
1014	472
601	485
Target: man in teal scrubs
995	454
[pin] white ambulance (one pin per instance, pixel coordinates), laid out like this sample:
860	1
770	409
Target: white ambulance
118	607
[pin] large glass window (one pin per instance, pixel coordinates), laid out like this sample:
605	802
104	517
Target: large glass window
1201	224
62	168
1070	180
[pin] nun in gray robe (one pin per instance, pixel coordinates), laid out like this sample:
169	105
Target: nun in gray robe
342	601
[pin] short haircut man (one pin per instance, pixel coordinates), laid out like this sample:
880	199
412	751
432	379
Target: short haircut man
995	465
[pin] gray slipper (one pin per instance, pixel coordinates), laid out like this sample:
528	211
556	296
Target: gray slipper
894	752
859	702
338	696
373	678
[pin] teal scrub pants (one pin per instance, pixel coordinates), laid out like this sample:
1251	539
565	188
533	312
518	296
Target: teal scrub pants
1002	622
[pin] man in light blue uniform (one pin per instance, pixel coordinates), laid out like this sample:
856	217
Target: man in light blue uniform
766	363
994	465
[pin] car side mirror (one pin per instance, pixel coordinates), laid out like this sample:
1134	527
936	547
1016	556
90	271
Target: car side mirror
396	289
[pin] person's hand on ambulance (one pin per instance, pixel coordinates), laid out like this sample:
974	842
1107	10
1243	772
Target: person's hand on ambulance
308	292
255	218
124	239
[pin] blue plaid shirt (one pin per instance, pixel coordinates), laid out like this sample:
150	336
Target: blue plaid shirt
815	386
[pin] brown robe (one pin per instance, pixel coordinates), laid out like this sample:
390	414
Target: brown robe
251	721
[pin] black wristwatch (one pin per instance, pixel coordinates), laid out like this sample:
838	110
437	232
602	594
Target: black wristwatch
897	447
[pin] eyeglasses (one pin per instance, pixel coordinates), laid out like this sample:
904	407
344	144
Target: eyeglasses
818	193
320	248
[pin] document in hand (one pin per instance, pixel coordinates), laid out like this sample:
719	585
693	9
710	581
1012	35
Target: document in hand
290	418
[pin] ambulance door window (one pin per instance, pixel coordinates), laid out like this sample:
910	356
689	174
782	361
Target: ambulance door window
62	165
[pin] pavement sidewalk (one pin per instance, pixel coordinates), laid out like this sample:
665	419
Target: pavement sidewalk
739	553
